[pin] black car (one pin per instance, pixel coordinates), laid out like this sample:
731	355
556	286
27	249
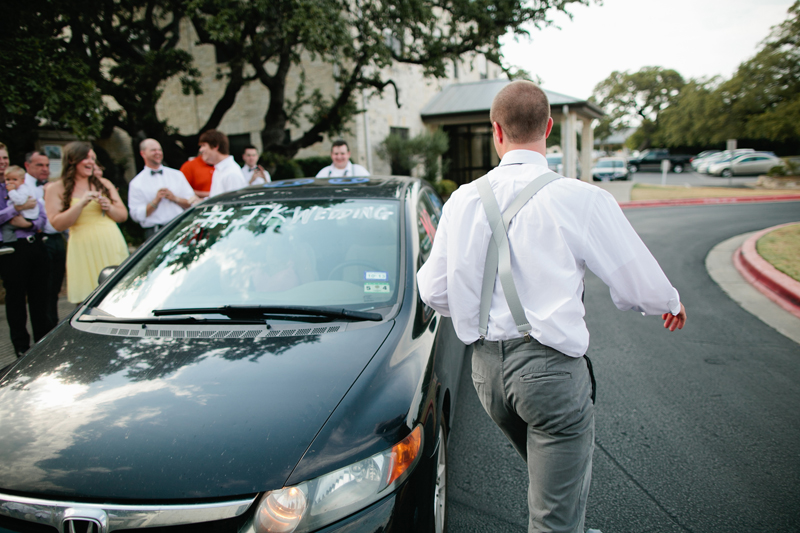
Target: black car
263	364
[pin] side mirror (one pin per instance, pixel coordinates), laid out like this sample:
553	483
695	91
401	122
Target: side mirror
105	274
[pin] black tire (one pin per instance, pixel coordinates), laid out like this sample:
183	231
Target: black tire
633	168
727	173
440	507
678	168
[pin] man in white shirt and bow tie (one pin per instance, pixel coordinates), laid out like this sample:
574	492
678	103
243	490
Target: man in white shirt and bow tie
37	166
158	193
341	166
254	174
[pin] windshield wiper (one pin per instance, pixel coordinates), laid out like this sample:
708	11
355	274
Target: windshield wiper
233	311
160	320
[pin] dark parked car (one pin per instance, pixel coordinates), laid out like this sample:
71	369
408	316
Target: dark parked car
650	160
263	364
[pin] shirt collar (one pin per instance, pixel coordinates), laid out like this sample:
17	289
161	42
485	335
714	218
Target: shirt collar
523	157
224	162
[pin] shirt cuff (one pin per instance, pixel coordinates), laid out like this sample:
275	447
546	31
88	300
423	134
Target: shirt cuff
675	306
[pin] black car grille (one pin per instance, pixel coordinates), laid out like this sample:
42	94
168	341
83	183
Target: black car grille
230	525
21	526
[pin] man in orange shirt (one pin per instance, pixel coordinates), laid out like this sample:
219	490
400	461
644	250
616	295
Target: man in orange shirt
198	173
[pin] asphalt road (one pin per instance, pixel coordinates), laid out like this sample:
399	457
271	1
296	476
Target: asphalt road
693	179
697	430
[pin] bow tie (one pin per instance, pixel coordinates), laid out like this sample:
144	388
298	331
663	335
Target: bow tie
154	172
40	183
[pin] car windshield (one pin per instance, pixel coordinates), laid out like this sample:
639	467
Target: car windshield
610	164
341	253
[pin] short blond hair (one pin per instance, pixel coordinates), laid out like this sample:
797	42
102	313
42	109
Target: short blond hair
522	110
14	170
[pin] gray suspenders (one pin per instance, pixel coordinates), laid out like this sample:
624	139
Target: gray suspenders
498	256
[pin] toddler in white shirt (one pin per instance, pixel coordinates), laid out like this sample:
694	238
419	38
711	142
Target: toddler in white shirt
18	193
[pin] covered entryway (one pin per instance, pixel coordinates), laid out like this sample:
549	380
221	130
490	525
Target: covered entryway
462	111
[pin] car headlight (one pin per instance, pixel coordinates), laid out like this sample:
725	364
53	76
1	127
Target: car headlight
326	499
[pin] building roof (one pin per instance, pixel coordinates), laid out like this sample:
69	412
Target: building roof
461	99
618	137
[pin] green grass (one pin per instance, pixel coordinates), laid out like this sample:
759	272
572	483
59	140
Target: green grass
781	248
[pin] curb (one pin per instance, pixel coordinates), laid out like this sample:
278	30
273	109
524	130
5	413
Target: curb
771	282
711	201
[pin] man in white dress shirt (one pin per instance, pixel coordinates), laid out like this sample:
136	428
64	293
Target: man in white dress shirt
254	174
158	193
539	390
37	169
215	150
342	167
37	166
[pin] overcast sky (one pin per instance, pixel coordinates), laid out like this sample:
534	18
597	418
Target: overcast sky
698	38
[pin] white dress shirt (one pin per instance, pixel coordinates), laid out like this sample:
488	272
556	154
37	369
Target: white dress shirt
350	170
20	195
247	172
143	189
565	227
227	177
38	193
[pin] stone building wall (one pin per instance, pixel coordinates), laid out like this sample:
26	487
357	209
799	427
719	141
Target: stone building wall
367	130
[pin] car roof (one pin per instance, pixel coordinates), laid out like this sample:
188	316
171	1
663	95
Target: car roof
756	154
376	187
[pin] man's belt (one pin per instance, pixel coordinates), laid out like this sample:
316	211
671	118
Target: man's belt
29	239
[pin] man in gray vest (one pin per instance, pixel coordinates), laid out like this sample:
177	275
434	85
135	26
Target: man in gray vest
508	267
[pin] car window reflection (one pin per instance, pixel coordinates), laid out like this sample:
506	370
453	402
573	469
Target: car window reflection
310	252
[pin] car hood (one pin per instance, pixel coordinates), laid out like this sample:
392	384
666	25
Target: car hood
95	417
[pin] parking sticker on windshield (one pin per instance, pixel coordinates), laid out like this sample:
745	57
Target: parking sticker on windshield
376	276
376	288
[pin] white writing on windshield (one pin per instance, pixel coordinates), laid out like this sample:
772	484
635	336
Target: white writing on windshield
281	214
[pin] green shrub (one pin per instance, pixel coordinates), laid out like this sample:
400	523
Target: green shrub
309	166
281	167
425	149
791	167
399	152
445	188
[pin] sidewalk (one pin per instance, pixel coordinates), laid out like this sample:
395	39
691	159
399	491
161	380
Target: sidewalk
720	264
621	190
769	281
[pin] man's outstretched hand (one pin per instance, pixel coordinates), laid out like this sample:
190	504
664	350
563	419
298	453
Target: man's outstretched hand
673	322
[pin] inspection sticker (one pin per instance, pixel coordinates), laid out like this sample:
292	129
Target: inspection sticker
373	288
376	276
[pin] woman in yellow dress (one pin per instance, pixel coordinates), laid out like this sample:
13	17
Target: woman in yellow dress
90	207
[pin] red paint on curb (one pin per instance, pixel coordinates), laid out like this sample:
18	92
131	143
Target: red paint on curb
710	201
771	282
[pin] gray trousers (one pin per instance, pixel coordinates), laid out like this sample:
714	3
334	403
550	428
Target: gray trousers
541	399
